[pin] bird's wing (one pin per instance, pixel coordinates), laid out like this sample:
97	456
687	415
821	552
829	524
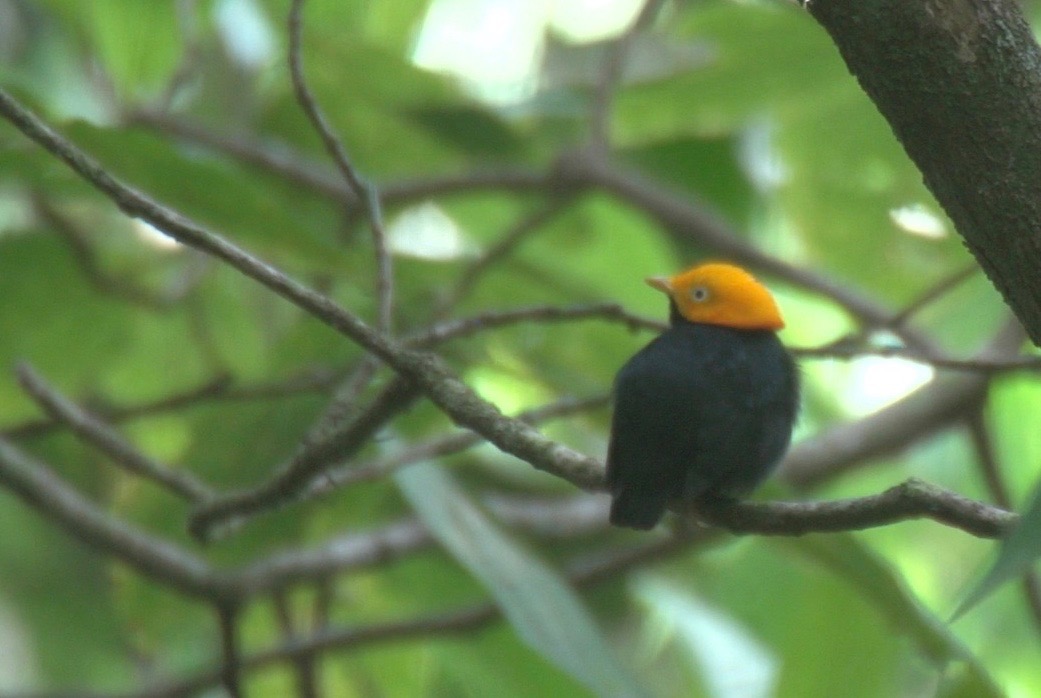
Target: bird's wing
655	397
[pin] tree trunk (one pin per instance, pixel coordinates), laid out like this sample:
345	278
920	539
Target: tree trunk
960	83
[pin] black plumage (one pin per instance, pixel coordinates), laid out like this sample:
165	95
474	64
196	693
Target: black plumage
702	412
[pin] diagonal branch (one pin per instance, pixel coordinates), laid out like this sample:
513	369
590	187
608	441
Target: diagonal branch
611	74
427	371
219	388
365	191
36	485
933	294
514	235
441	446
342	442
283	161
105	439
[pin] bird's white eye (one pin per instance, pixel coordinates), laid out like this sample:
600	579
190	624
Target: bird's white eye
699	294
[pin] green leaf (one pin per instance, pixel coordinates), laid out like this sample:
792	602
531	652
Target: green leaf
1018	552
56	595
137	41
265	215
756	59
855	562
540	605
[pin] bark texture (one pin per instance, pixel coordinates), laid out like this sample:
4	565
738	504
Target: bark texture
960	83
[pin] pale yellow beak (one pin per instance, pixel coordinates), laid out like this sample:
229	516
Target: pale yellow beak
661	283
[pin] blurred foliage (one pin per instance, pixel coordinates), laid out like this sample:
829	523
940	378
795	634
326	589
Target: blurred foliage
744	107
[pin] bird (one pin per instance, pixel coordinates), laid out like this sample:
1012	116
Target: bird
705	411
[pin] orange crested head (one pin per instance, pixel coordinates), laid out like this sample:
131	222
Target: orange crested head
721	294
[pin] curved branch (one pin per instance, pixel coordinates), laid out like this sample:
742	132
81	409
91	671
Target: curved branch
912	499
363	190
282	161
343	441
106	440
426	371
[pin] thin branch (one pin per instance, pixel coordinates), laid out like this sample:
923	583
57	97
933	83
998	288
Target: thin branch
353	551
611	75
560	518
303	667
106	440
276	159
462	327
912	499
363	549
933	294
463	620
123	288
440	447
220	388
232	510
40	488
283	161
944	401
365	191
902	318
428	372
986	366
230	659
514	235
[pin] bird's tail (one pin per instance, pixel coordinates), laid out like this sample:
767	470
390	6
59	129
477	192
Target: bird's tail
639	510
